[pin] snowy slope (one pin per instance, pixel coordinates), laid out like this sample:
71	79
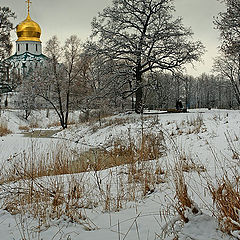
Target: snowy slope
207	139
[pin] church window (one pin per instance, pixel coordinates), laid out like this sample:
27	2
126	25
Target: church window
26	46
19	47
36	47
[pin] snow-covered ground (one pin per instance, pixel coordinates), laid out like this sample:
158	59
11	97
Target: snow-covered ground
206	140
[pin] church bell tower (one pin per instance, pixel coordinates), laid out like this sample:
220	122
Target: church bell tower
28	33
28	55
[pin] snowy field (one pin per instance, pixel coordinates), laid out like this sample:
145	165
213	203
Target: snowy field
133	201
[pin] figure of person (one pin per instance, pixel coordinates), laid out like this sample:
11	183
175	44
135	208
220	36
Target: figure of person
180	104
177	104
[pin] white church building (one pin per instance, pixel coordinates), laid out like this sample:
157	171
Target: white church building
28	47
28	56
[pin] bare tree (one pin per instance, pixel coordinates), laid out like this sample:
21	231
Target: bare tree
60	80
26	97
144	36
228	23
109	81
228	63
205	91
161	90
228	66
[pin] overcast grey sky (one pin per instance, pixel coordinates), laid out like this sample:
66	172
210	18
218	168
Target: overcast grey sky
66	17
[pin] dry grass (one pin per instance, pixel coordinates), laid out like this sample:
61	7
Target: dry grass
58	123
198	120
109	177
24	128
196	124
184	202
183	164
189	165
47	202
224	189
55	161
54	124
232	146
110	122
226	197
61	160
33	183
120	153
4	129
34	124
193	125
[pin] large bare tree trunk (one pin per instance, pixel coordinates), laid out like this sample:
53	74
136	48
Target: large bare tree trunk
139	93
139	103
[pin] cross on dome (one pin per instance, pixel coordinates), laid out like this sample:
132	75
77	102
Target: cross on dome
28	2
28	30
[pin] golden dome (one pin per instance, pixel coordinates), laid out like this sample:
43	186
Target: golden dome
28	30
